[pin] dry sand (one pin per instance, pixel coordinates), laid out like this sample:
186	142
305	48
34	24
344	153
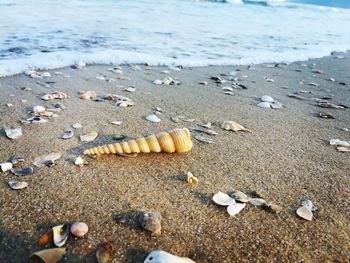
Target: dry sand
287	157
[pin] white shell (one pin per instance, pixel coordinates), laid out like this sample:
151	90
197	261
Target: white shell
227	88
76	125
130	89
234	209
264	104
38	109
5	166
159	256
267	98
116	122
276	105
15	185
204	139
60	234
240	197
152	118
305	213
308	204
46	159
223	199
89	137
257	201
79	161
13	133
158	82
338	142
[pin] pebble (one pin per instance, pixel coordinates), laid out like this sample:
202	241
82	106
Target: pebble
203	83
79	229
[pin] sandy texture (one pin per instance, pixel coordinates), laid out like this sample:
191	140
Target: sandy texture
286	157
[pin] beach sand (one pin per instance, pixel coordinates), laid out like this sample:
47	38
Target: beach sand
287	157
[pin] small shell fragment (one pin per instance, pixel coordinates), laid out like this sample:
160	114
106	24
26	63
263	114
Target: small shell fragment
325	115
116	122
159	256
88	95
203	83
89	137
60	234
38	108
233	126
223	199
157	82
104	252
151	221
308	203
51	255
234	209
13	133
5	166
338	142
257	201
77	126
240	197
191	179
16	185
267	98
204	139
46	160
304	213
79	161
152	118
67	134
343	149
264	104
22	172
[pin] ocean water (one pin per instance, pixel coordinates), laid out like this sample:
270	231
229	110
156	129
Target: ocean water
47	34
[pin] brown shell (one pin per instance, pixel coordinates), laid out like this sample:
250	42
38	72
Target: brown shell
177	140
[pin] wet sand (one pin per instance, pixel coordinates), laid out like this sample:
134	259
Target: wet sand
287	157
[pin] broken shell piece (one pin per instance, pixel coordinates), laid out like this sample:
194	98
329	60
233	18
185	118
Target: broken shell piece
89	137
35	120
79	161
88	95
51	255
264	104
77	126
203	83
257	201
308	203
5	167
104	252
326	104
60	234
227	88
116	122
267	98
313	84
151	221
233	126
240	197
305	213
234	209
338	142
23	172
223	199
207	131
152	118
15	185
13	133
79	229
269	79
46	160
130	89
207	125
325	115
39	108
296	96
204	139
15	159
191	179
159	256
55	95
157	82
343	149
276	105
67	134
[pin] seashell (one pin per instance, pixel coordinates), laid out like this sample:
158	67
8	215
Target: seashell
80	65
305	213
116	122
46	238
276	105
269	79
46	160
313	84
240	197
264	104
5	166
79	229
233	126
89	137
267	98
343	149
207	131
13	133
88	95
38	109
130	89
227	88
15	159
204	139
223	199
229	93
55	95
325	115
152	118
203	83
157	82
60	234
165	71
177	140
67	134
104	252
151	221
79	161
308	203
218	79
51	255
9	105
23	172
234	209
15	185
77	126
159	256
207	125
35	120
338	142
170	81
59	105
296	96
191	179
326	104
257	201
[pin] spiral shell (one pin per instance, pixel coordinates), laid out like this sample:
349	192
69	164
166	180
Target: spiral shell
177	140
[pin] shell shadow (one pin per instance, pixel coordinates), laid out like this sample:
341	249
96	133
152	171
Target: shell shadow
205	198
136	255
129	219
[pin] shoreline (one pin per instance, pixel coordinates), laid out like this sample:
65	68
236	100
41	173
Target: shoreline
287	158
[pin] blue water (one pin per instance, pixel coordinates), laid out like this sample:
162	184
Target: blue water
47	34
